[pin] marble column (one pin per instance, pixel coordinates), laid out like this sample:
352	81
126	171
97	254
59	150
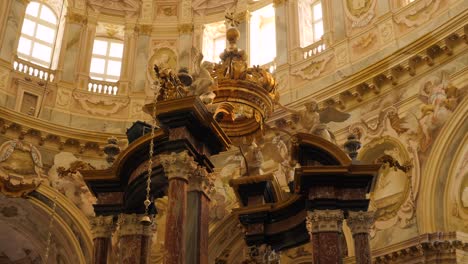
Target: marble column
141	58
360	223
325	228
177	168
200	185
242	16
185	28
70	53
281	16
134	239
12	30
102	228
86	50
128	57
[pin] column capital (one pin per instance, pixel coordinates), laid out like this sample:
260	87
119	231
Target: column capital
76	18
201	180
277	3
102	226
130	224
186	28
178	165
360	222
325	221
145	29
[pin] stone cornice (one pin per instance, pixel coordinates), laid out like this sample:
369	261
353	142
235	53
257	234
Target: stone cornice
24	127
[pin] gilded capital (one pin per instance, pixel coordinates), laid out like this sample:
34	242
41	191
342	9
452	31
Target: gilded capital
325	221
185	28
360	222
241	16
130	224
178	165
277	3
102	226
75	18
200	180
145	29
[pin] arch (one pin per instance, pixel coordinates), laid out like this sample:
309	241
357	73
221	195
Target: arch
71	237
324	151
433	185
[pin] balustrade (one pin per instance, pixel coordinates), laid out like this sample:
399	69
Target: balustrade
103	87
33	70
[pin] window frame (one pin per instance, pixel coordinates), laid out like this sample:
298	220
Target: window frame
34	39
104	76
210	37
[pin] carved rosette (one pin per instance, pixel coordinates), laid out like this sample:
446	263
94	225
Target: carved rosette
360	222
130	224
202	181
102	226
324	221
178	165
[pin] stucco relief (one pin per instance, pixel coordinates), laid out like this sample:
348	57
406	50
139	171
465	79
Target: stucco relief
418	13
386	32
364	43
3	78
313	69
63	97
21	169
100	104
360	12
458	191
392	199
164	55
167	10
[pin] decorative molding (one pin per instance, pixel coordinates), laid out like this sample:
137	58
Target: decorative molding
21	170
313	69
201	181
91	103
418	13
324	221
360	12
75	18
102	226
360	222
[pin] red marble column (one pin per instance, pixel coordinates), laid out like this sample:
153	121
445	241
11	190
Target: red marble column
325	228
101	227
134	239
360	223
200	185
177	167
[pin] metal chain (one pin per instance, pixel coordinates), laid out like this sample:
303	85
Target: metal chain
49	234
150	159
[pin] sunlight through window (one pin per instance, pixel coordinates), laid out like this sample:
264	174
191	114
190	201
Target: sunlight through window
262	36
38	34
310	21
214	41
106	61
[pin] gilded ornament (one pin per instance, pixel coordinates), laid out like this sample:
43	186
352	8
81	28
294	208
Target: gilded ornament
185	28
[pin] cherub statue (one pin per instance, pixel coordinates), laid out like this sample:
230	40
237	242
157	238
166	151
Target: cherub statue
313	120
203	83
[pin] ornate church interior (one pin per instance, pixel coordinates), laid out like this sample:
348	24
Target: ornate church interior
233	131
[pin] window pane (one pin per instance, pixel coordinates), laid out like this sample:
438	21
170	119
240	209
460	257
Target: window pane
28	27
317	11
24	46
32	9
219	46
42	52
116	50
45	33
48	15
97	65
113	68
100	47
318	30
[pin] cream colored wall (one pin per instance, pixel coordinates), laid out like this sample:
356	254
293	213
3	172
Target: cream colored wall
368	70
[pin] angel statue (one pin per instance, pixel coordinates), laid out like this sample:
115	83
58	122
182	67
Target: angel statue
203	83
313	120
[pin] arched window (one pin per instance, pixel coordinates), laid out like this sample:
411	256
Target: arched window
106	60
310	21
214	41
262	36
38	34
